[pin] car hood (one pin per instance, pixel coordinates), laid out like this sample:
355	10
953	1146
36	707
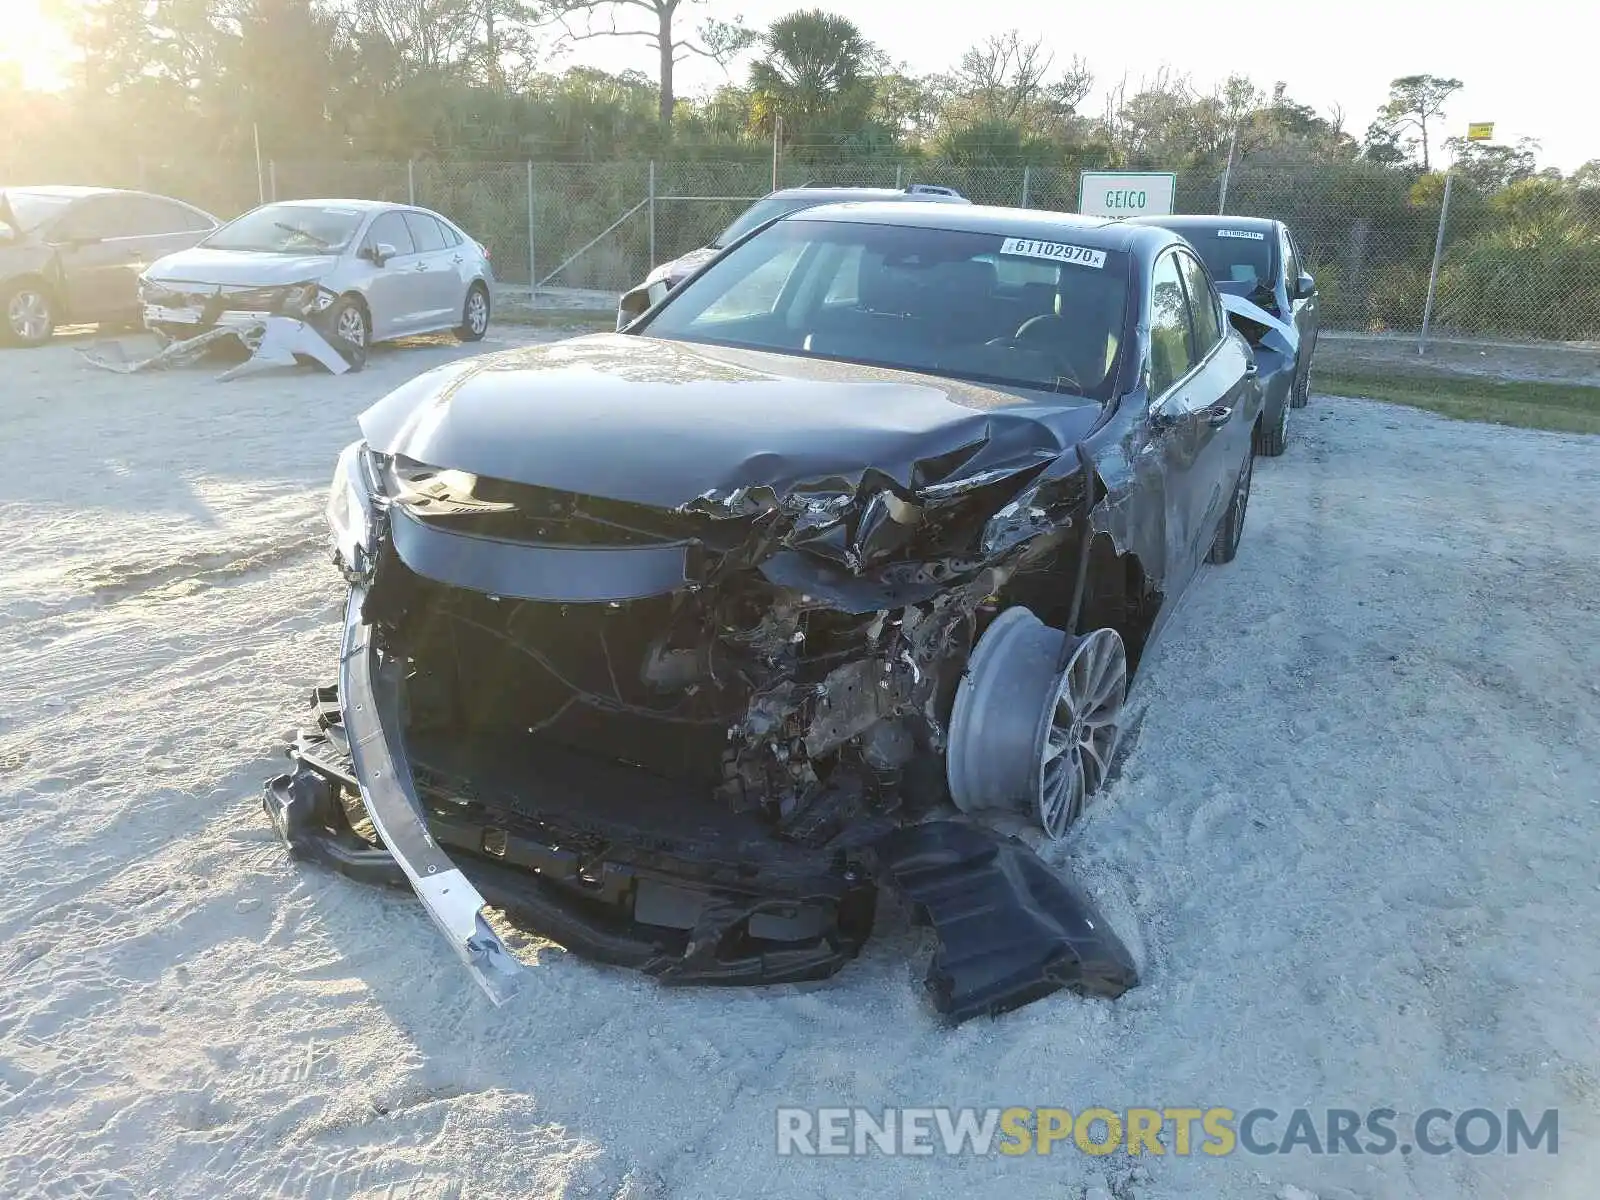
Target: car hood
674	424
239	267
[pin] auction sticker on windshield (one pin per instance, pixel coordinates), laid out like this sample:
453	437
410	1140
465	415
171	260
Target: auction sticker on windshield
1054	252
1251	234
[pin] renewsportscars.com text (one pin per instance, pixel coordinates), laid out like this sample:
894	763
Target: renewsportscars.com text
1161	1131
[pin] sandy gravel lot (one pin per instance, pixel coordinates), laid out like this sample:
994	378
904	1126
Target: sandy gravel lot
1354	851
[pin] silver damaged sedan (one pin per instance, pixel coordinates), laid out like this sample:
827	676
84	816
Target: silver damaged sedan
369	271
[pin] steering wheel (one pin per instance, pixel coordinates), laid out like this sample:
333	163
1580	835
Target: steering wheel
1059	362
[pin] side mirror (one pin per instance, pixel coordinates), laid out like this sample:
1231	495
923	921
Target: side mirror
1306	286
379	254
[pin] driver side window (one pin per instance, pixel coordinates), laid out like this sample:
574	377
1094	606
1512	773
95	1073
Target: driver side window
390	227
1172	350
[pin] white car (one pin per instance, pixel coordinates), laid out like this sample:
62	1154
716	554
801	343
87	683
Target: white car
361	270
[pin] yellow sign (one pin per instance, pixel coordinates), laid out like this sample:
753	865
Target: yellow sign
1480	131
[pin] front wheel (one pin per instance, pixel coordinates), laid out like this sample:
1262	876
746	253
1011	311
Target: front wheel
1270	441
1302	383
353	330
474	314
29	315
1229	534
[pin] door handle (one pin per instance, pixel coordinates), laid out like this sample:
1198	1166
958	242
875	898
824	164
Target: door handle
456	260
1252	369
1217	415
422	266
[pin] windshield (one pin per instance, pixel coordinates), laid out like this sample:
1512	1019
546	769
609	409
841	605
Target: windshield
33	209
289	229
1035	314
763	210
1237	255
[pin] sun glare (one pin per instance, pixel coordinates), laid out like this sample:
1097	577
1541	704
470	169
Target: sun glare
29	40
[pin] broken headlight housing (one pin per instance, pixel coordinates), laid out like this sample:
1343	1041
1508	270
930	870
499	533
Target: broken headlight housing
307	299
353	510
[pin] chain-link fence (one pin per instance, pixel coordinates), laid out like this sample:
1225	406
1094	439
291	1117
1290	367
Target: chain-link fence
1515	265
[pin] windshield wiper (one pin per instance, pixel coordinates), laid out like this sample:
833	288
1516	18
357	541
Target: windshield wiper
305	233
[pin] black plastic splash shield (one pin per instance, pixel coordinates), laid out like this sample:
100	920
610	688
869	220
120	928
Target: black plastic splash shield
1010	929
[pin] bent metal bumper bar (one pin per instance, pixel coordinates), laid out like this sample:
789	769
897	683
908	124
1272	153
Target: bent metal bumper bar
369	688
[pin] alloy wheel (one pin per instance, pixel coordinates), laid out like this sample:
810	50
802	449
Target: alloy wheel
1085	721
28	315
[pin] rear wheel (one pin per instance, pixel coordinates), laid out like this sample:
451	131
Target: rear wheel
353	330
1229	534
474	314
27	314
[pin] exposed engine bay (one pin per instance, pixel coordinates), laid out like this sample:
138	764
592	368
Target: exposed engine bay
689	709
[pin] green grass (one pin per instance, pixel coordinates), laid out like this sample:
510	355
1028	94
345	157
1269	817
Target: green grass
1566	408
584	320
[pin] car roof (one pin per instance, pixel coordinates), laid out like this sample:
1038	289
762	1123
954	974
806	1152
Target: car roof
823	194
65	191
1180	222
362	205
1097	233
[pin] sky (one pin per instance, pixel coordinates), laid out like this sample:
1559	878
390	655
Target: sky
1529	67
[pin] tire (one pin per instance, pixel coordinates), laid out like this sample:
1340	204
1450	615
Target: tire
475	313
1270	442
1225	546
27	313
352	329
1301	395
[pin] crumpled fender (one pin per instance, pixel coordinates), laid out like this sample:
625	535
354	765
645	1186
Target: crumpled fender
1010	928
1280	335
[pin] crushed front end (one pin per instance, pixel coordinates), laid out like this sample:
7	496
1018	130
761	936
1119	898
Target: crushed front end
689	739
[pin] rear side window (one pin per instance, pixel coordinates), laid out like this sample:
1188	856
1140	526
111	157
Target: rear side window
1202	305
425	232
1171	340
391	228
151	215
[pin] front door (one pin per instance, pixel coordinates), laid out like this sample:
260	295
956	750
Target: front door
101	259
1200	381
394	290
1303	309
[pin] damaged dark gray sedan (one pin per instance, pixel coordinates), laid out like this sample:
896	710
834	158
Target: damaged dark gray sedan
676	644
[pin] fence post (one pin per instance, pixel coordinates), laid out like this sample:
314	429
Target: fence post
1433	275
533	262
411	181
261	186
1027	181
777	136
652	214
1227	171
898	185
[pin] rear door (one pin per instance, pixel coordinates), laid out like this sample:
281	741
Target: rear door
394	293
163	226
441	294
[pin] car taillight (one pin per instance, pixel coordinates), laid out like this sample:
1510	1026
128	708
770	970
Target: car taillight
485	251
